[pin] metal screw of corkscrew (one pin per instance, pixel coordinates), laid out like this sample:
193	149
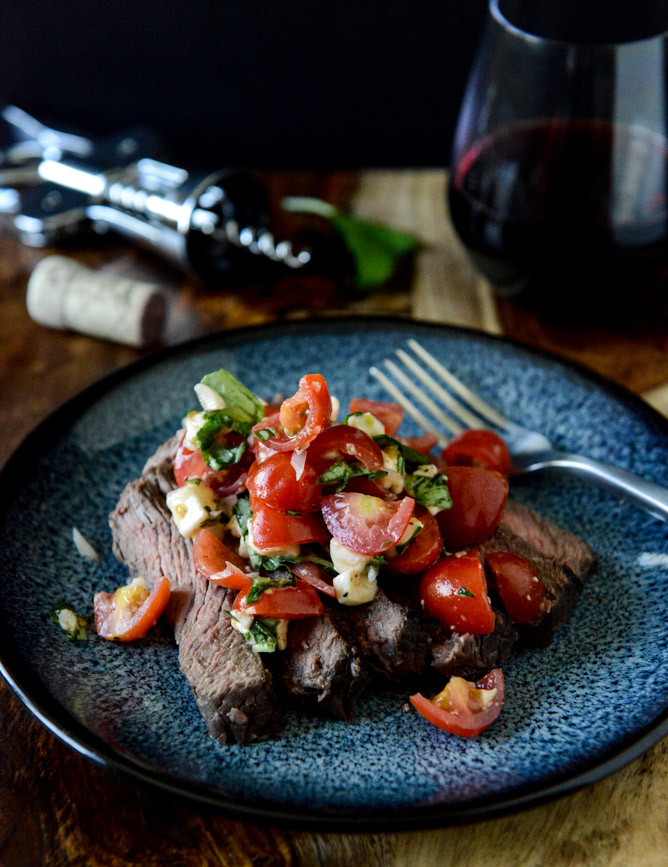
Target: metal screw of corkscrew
58	184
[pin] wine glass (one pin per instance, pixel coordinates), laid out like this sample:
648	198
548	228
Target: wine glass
560	159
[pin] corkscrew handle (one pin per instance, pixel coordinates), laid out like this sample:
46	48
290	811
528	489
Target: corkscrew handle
210	224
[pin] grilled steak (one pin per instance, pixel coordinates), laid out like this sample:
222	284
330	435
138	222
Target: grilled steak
472	656
551	540
561	586
232	688
321	667
394	638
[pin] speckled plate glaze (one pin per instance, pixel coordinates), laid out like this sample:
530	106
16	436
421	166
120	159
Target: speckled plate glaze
574	712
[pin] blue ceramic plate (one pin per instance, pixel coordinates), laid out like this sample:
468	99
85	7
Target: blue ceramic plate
585	706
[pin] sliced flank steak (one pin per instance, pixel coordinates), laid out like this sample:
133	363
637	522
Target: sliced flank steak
232	687
461	654
561	586
321	668
551	540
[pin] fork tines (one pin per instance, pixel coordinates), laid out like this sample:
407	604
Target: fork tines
452	414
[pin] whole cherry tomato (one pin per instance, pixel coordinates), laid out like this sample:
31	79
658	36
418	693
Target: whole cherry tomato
478	448
478	500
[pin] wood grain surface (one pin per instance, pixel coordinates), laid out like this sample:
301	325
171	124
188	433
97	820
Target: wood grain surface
58	808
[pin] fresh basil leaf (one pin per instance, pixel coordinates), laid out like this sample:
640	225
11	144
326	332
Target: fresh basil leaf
240	403
266	434
375	248
429	491
411	457
342	472
217	455
464	592
264	582
261	635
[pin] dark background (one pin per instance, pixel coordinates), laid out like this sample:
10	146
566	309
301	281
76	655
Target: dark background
284	84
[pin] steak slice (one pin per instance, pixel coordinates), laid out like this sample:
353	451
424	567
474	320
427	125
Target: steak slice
550	540
233	690
394	638
321	667
561	586
461	654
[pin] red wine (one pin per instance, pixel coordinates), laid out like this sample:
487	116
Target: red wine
573	208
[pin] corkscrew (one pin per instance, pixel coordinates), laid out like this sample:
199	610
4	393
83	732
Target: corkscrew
58	184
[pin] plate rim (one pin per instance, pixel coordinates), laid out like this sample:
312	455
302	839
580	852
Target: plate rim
28	687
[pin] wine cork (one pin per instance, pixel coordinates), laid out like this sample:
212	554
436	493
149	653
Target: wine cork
64	294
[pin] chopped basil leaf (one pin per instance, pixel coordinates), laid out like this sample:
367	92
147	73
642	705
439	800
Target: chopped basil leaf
241	404
194	481
342	472
72	626
266	434
219	456
263	582
464	592
429	491
377	560
411	458
294	512
262	635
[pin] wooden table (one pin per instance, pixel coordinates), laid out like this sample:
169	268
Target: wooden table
57	808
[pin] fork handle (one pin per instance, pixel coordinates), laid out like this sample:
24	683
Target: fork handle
646	495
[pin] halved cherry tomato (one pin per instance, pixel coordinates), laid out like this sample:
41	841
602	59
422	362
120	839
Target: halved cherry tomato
210	554
518	584
315	576
188	463
272	528
478	448
455	591
422	551
390	415
478	499
275	482
283	603
301	417
463	707
131	611
341	441
366	524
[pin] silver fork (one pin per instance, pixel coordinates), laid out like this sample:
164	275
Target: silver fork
530	451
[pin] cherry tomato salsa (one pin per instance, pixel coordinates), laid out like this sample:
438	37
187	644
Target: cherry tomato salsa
291	510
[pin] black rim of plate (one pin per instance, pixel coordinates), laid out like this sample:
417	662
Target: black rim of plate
27	685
